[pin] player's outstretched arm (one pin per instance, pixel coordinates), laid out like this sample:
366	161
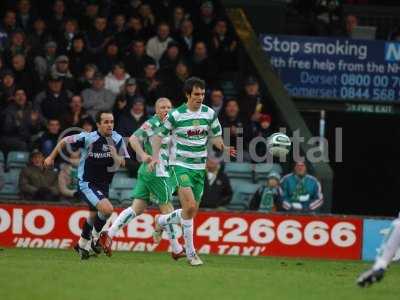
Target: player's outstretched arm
219	144
137	147
49	161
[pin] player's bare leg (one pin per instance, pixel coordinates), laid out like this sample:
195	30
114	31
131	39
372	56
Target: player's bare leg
128	214
384	258
171	229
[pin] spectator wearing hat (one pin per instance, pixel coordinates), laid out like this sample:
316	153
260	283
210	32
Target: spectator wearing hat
301	191
186	38
136	59
157	45
7	88
262	128
126	98
130	121
53	101
217	188
267	197
78	56
97	97
252	102
44	60
36	182
61	69
19	123
116	78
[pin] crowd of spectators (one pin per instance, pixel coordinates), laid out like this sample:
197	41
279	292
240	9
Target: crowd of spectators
63	61
66	60
338	18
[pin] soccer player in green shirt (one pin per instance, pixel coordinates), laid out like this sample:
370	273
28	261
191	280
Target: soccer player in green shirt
191	126
152	185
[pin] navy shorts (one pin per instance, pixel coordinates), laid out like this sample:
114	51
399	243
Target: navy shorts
92	193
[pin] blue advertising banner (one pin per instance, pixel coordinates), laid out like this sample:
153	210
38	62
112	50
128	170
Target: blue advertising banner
374	233
336	68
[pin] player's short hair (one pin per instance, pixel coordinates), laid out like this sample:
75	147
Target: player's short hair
161	100
100	112
192	82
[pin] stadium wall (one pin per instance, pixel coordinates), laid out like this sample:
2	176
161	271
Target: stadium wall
221	233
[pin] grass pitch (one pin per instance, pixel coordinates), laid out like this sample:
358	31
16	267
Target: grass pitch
59	274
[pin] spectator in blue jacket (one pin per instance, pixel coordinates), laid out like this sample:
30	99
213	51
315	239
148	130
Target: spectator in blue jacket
301	191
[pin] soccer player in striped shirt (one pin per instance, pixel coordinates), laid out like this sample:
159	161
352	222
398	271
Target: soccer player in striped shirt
191	126
152	186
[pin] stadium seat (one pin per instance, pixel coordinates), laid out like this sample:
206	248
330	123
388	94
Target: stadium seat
228	87
239	170
17	159
237	182
119	175
114	195
12	176
1	157
242	195
123	183
126	195
261	171
10	190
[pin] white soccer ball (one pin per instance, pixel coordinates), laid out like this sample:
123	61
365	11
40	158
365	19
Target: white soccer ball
278	144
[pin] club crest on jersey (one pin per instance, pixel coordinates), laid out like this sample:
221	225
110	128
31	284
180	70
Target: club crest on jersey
196	123
145	126
105	148
184	177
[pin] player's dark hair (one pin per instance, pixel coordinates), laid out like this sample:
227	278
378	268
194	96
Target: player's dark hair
192	82
100	112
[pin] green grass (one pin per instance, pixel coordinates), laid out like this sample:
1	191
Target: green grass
58	274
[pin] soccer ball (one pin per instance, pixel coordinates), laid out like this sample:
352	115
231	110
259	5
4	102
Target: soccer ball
278	144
